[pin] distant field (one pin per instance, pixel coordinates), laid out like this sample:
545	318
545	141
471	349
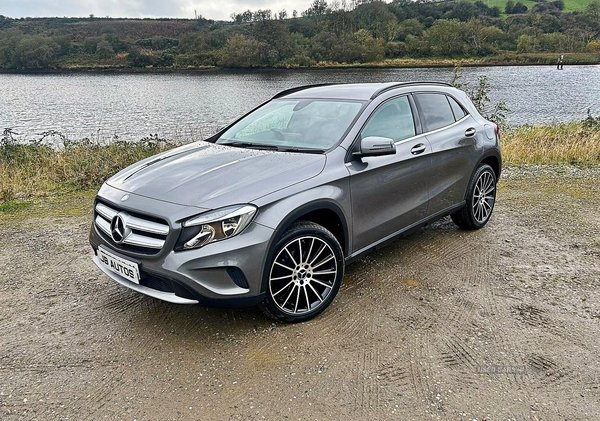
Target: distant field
570	5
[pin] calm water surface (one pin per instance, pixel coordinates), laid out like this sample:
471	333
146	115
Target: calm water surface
189	106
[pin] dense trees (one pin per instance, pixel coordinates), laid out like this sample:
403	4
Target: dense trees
344	31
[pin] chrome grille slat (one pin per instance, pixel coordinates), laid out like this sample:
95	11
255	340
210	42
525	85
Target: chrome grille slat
141	241
103	224
104	218
147	226
106	212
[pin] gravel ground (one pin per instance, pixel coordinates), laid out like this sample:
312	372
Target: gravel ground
498	324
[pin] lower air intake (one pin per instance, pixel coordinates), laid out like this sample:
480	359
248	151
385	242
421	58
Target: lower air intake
237	276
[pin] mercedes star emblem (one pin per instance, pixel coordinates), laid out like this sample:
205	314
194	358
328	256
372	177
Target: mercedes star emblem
117	229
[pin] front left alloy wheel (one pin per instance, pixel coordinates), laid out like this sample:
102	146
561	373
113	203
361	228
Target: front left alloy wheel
304	274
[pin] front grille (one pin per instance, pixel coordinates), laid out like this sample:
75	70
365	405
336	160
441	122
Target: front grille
141	234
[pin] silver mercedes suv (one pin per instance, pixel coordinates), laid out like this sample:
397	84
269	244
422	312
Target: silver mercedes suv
270	209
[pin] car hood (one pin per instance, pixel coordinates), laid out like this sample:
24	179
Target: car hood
211	176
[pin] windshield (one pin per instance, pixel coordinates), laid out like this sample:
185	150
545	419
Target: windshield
309	124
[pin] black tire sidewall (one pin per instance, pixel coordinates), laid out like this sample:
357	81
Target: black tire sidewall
482	169
297	230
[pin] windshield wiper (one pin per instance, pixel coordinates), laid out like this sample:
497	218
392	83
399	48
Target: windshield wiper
262	146
251	145
303	150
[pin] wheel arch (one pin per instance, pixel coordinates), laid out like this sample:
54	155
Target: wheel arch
493	161
324	212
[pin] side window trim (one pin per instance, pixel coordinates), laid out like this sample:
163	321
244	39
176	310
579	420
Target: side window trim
419	129
466	113
425	131
451	109
412	110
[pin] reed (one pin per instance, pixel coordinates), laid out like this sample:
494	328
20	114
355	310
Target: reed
36	170
576	143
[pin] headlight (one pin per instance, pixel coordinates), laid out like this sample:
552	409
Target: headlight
215	226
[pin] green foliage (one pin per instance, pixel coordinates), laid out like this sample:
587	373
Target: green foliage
590	121
594	47
339	32
593	11
525	44
455	38
138	59
241	51
28	51
38	167
157	43
480	95
104	50
513	9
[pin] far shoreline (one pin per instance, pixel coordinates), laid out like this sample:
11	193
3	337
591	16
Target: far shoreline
404	63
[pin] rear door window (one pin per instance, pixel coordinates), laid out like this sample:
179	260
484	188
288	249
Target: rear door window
435	111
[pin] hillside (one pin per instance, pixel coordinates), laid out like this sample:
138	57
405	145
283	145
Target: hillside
569	5
371	33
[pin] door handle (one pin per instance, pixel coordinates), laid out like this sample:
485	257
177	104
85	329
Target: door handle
470	132
417	149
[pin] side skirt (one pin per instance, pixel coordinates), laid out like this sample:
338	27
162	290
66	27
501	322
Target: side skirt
386	240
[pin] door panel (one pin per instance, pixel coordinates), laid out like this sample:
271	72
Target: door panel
455	151
389	192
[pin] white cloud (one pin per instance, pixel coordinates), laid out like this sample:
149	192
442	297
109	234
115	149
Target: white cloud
220	10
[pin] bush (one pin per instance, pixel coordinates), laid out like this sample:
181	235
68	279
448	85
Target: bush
104	50
139	59
594	47
395	49
241	51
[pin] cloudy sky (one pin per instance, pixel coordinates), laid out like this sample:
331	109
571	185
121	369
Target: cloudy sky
213	9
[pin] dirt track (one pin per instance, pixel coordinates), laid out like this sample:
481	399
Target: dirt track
499	324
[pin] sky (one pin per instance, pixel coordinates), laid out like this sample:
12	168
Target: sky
214	9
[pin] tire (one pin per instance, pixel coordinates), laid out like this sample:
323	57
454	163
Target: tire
478	209
304	274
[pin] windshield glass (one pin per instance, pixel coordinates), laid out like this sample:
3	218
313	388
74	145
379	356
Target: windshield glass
289	124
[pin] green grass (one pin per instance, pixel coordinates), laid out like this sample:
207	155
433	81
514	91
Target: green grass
36	170
570	5
14	206
37	174
576	143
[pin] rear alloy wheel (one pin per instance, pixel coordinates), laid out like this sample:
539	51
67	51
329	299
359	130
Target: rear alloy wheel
305	274
481	198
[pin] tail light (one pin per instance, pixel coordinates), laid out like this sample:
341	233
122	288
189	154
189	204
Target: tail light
497	130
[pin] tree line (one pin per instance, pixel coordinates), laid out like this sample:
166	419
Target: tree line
357	31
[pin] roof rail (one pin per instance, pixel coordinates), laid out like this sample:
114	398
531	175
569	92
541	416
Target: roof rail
403	84
300	88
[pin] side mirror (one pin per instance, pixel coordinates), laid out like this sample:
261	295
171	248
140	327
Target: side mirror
376	146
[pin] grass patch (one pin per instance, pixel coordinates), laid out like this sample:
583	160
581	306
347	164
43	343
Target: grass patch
11	206
576	143
570	5
503	58
34	170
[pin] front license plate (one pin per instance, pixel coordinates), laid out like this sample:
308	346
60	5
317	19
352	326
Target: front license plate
127	269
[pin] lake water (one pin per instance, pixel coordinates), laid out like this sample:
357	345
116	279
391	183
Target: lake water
186	106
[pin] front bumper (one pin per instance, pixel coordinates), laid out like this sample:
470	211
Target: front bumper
227	273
